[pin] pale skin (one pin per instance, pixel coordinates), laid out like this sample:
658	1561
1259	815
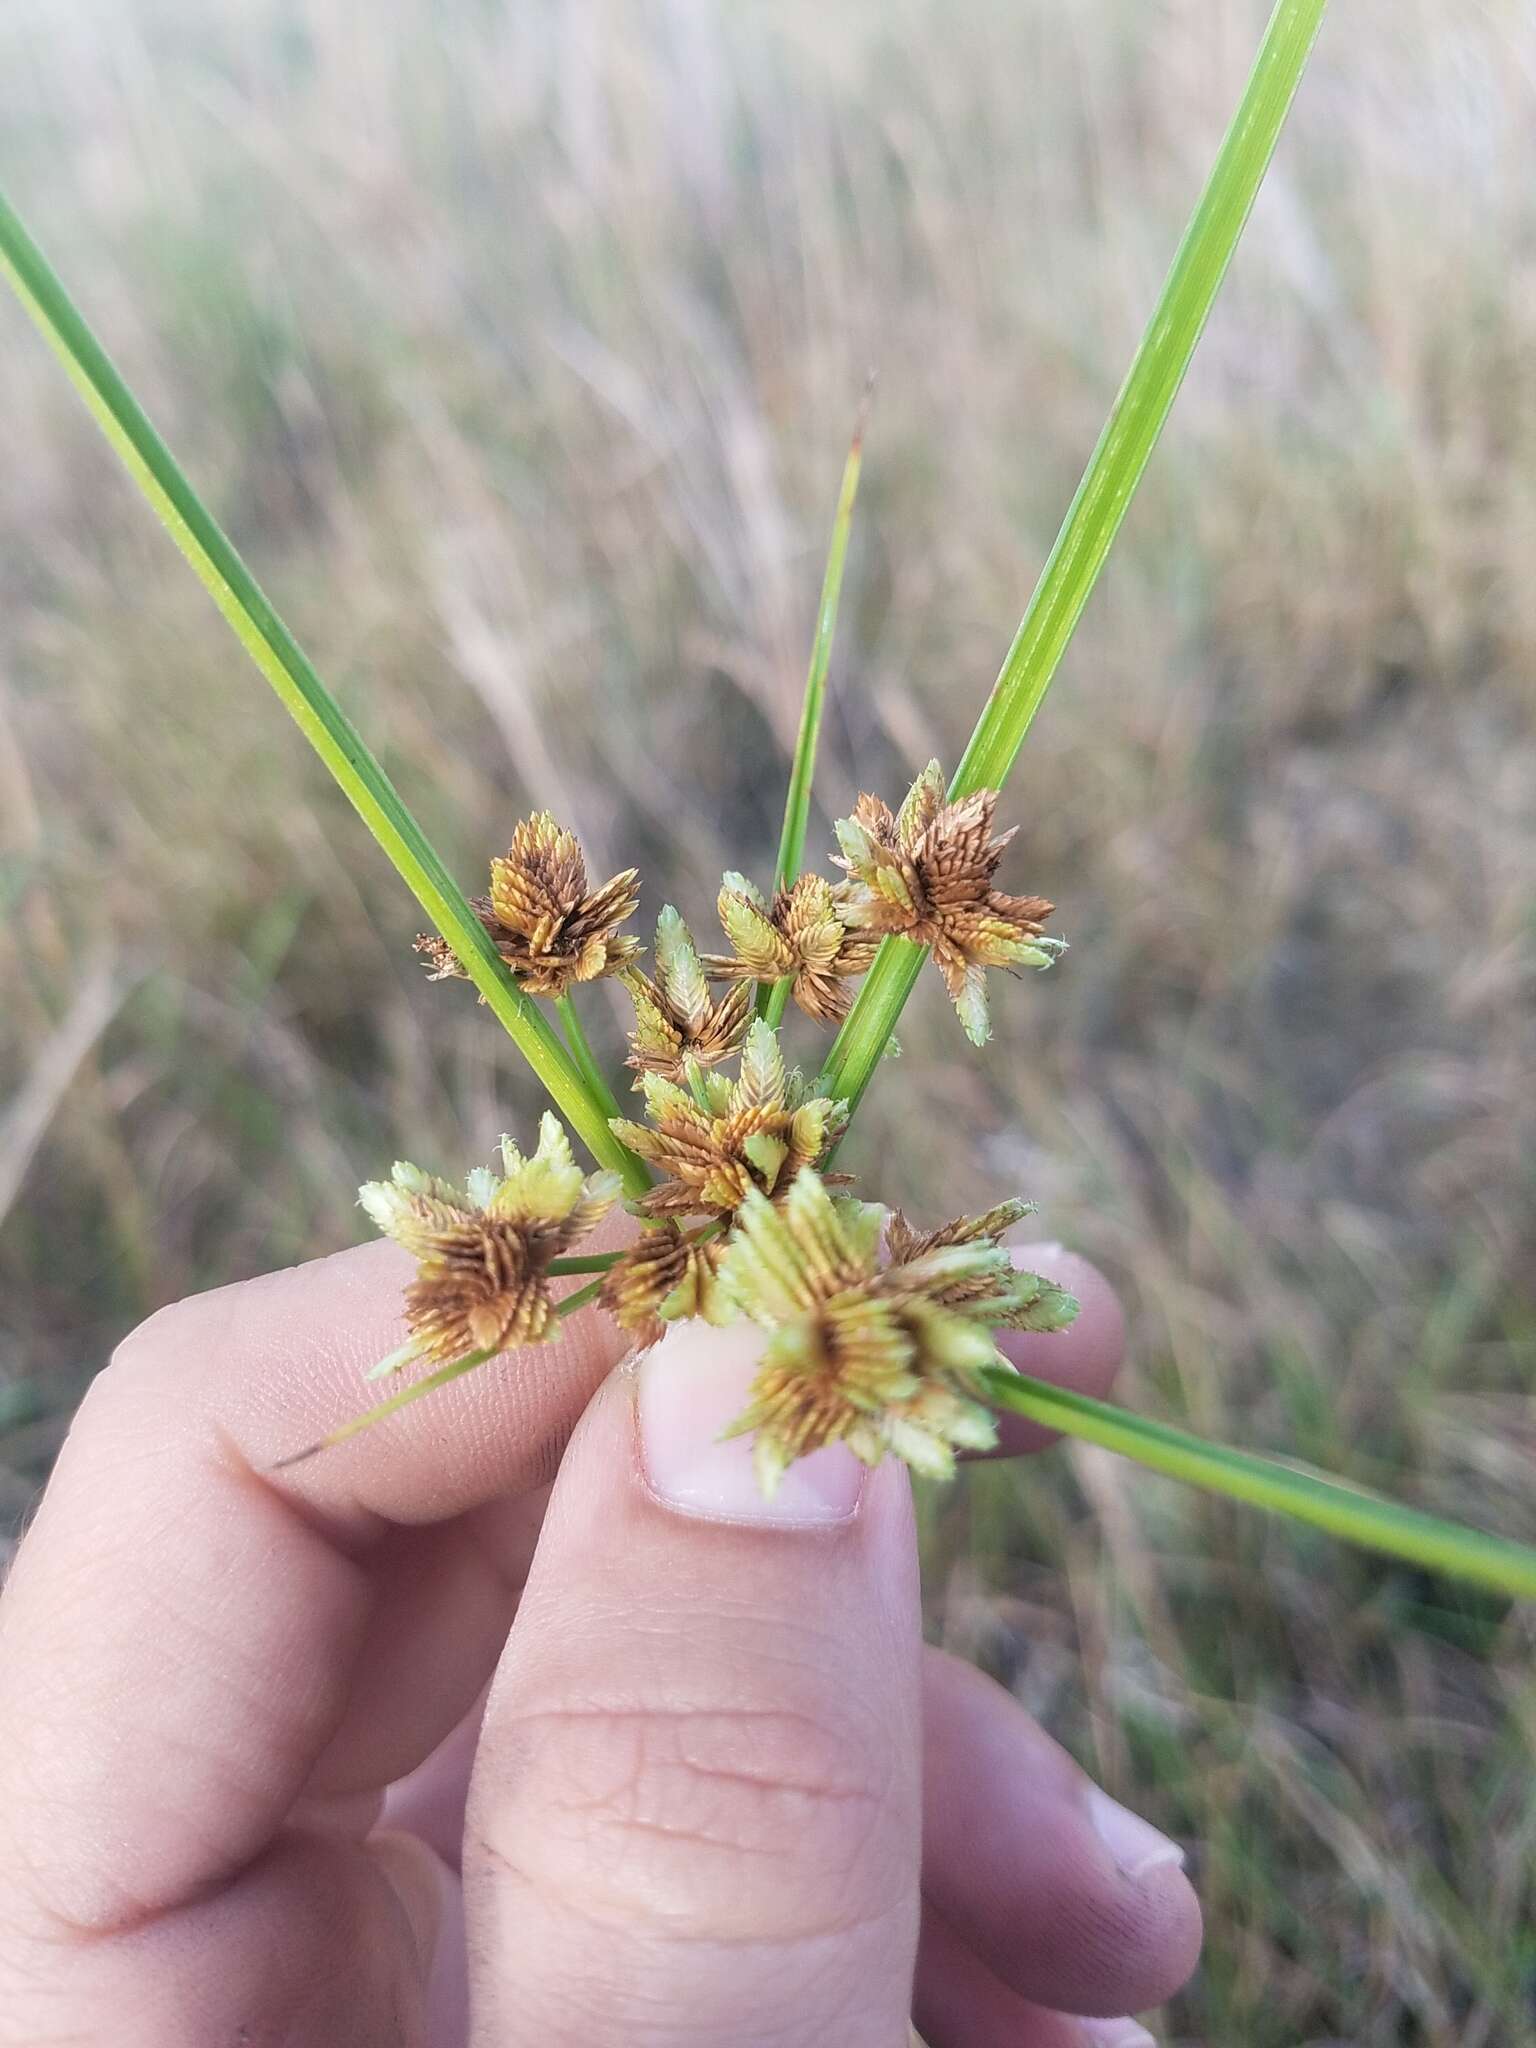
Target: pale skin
718	1792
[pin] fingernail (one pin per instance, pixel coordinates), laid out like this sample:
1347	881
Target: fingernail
1135	1844
1116	2034
692	1385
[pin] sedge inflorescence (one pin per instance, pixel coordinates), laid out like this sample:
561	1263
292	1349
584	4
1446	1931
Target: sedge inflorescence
804	936
484	1250
925	872
678	1023
879	1356
877	1332
718	1140
547	925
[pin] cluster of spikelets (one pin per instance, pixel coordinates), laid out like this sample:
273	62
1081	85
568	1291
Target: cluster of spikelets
877	1332
924	873
484	1251
881	1356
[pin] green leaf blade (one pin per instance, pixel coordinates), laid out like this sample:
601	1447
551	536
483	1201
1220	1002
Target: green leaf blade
797	802
773	997
272	647
1145	398
1108	485
580	1048
866	1030
1350	1512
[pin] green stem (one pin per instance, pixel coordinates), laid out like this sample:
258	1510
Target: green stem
586	1262
860	1045
1145	399
1306	1496
314	710
395	1402
773	997
797	803
695	1075
586	1061
1108	485
778	1001
579	1298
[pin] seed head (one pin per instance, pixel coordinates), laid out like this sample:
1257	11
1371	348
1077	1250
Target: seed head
545	924
803	933
676	1018
926	872
485	1250
717	1139
1023	1302
881	1359
663	1278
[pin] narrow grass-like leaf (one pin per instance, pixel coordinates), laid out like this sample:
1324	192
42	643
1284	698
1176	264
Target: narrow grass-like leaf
797	803
286	667
1306	1496
773	999
1108	485
416	1391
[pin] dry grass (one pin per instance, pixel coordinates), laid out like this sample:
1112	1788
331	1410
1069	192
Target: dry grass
520	355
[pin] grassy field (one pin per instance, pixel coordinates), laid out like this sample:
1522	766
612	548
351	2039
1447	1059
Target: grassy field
519	347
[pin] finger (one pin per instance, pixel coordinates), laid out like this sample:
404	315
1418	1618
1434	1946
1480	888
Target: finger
1066	1897
442	1601
1052	1800
1083	1357
316	1943
694	1815
430	1800
959	2003
181	1636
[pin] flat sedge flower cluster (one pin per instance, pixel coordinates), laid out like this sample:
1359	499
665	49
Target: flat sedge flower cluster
876	1331
484	1251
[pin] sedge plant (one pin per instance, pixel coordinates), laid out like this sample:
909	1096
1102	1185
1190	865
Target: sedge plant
878	1333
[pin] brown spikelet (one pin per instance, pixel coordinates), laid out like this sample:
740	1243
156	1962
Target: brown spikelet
717	1139
927	874
484	1251
878	1358
545	923
800	936
1025	1303
677	1021
662	1278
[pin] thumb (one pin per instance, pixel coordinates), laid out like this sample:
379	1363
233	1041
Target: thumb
695	1813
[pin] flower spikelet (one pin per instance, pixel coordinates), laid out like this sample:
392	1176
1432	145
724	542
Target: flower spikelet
484	1251
860	1355
676	1018
716	1140
802	936
1007	1298
926	872
663	1278
546	924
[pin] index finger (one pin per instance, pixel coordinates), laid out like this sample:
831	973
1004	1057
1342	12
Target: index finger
179	1637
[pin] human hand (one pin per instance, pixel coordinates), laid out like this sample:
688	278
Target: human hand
710	1750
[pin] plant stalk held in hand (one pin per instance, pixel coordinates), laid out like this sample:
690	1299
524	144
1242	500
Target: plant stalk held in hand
878	1335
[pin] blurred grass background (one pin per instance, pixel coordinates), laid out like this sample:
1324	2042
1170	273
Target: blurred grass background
518	346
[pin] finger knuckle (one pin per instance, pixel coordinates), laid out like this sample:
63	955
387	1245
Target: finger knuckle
703	1820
